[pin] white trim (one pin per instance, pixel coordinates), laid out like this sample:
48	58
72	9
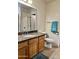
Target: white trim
26	4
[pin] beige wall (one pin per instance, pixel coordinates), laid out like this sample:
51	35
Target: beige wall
52	13
41	10
53	9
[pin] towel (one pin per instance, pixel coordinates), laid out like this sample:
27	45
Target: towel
54	26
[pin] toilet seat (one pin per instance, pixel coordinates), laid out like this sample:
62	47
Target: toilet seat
49	42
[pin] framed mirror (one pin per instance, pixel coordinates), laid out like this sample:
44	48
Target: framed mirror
27	18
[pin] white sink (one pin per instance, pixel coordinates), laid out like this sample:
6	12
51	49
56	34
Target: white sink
29	35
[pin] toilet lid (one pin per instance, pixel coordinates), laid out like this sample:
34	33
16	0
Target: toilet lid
49	40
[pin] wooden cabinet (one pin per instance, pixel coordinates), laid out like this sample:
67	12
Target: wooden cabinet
33	47
41	43
28	49
23	50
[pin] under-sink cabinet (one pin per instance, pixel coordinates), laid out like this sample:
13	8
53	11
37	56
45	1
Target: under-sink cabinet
33	47
29	48
23	50
41	43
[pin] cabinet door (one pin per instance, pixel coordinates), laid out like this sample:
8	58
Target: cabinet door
41	43
23	50
33	47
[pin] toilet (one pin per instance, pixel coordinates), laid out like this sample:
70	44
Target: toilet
48	42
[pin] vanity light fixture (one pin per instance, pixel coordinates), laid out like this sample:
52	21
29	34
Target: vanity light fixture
30	1
25	0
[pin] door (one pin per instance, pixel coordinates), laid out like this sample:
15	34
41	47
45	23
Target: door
41	43
33	47
23	50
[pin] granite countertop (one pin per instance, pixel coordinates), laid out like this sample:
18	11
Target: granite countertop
22	38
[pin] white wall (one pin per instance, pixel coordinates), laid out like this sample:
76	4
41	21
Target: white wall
41	10
52	13
40	5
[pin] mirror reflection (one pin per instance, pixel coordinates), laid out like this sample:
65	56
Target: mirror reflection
27	18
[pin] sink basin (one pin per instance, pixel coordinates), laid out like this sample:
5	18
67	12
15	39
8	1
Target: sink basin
29	35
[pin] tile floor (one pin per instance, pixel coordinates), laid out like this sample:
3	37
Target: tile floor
52	53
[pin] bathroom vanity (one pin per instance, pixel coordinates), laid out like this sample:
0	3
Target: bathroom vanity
29	46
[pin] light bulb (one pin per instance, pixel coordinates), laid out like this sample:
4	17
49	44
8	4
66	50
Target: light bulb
30	1
25	0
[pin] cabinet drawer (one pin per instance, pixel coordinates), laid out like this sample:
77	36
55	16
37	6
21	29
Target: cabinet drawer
42	37
33	47
20	45
33	40
41	43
